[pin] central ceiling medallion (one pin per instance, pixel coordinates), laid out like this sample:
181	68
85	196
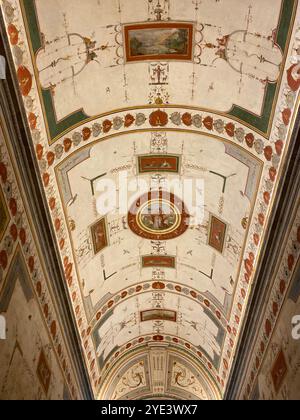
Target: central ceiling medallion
158	215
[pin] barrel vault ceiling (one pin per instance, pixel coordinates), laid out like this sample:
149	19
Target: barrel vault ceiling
164	90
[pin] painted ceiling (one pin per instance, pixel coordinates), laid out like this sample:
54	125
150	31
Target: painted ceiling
162	91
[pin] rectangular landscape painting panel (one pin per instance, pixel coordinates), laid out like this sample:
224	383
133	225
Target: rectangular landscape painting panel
99	236
159	41
217	234
158	163
160	261
158	315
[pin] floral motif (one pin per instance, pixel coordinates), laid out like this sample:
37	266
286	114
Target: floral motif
97	129
208	123
129	120
158	119
140	119
77	138
250	140
197	121
187	119
176	118
118	123
86	133
25	80
219	126
240	134
107	125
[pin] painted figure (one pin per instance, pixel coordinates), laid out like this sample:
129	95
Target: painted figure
159	218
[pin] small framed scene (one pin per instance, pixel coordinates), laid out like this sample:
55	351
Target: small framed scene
158	163
217	234
159	41
99	236
158	315
158	261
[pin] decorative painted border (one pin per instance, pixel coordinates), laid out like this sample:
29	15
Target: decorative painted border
19	234
151	120
279	293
